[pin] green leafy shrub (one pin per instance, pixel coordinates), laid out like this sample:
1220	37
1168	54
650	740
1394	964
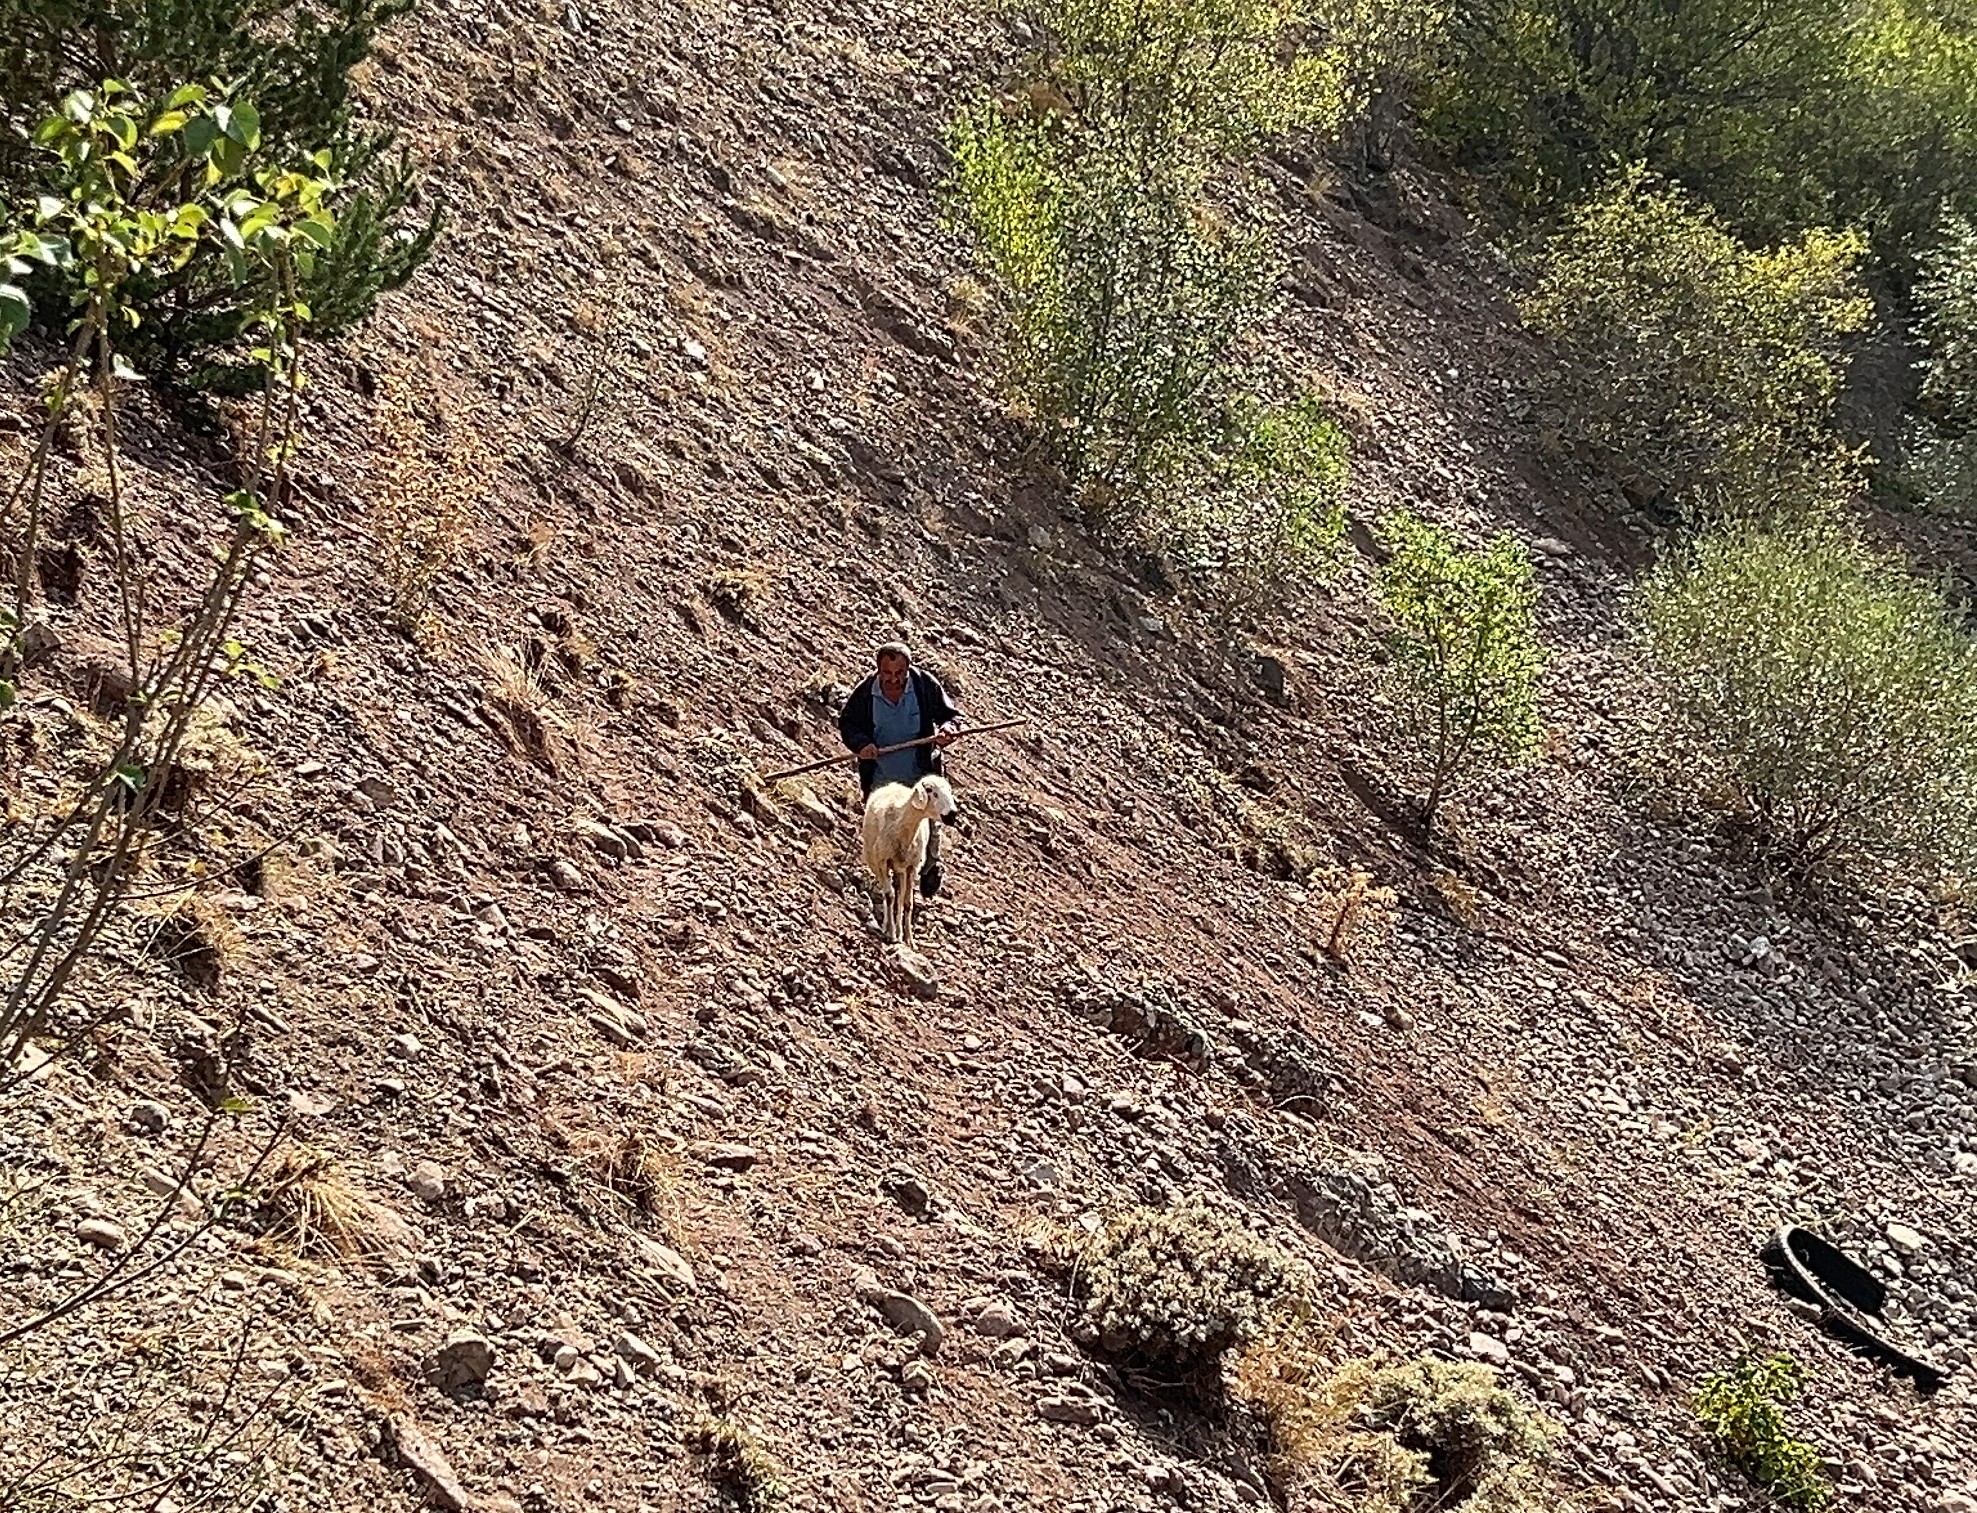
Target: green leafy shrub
1946	296
1741	1407
294	61
1700	370
1406	1438
1465	655
1822	693
1783	116
1175	1287
1105	197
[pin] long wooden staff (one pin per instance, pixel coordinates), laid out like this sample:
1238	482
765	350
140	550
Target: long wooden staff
925	740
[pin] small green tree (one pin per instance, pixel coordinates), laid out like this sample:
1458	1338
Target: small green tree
294	60
1822	691
1700	369
1742	1408
1465	654
1104	194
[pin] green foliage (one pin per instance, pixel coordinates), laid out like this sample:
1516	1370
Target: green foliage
1822	693
1939	447
1741	1408
1175	1287
294	61
1464	649
134	190
1946	296
1702	371
1786	115
1106	198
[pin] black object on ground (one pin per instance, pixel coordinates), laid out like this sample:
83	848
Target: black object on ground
1849	1297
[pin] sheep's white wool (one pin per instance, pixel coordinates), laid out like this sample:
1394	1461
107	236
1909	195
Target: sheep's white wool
896	820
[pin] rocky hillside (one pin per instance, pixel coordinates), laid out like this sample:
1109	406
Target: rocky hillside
574	1103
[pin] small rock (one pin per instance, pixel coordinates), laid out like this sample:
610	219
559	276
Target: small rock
724	1155
997	1321
912	971
903	1311
428	1181
641	1356
151	1117
673	1268
463	1361
1069	1410
906	1188
102	1234
1907	1241
428	1466
916	1376
1488	1349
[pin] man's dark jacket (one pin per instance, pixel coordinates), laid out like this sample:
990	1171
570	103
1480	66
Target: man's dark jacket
854	722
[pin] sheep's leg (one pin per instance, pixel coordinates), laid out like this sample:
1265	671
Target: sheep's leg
903	901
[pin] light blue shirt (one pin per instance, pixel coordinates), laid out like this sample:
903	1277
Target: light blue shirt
891	724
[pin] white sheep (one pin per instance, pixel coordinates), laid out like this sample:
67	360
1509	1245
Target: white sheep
896	820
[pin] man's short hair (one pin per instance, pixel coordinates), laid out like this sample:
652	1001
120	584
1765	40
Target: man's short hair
892	649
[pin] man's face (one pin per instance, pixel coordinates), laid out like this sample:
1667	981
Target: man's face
892	678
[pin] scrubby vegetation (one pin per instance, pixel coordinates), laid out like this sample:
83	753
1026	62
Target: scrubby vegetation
1173	1288
1784	117
136	190
1464	652
1107	194
1822	693
1700	371
1396	1438
294	62
1742	1408
1940	447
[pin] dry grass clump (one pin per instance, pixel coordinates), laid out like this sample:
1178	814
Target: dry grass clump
746	1474
1360	913
1415	1437
1173	1288
194	936
431	465
321	1211
520	701
630	1167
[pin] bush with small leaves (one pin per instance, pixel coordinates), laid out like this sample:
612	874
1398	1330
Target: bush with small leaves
1175	1287
1106	198
1700	370
1464	651
294	59
1822	693
1742	1408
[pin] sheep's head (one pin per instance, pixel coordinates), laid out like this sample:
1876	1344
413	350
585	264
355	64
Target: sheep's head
932	793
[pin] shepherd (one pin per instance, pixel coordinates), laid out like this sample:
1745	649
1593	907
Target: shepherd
900	702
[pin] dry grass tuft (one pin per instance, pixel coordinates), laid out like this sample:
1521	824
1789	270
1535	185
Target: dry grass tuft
517	696
745	1472
631	1168
1417	1437
431	465
1359	913
194	935
323	1212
